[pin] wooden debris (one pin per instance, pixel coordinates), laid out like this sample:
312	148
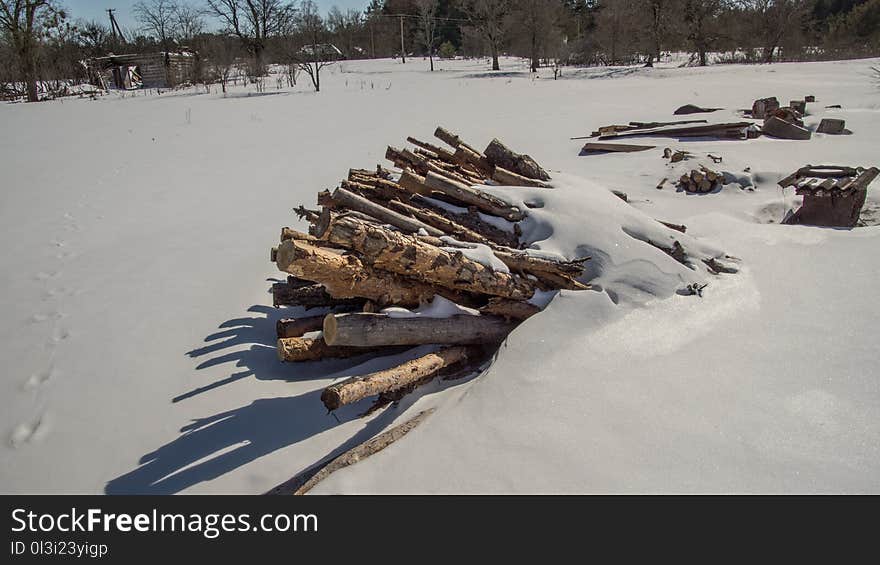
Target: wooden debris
484	201
597	147
306	481
661	183
809	98
832	126
701	180
693	109
777	127
764	107
373	330
298	327
734	130
833	195
311	296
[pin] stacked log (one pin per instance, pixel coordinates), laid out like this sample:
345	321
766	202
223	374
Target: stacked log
403	238
701	180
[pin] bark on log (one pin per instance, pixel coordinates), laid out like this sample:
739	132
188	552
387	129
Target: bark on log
478	162
345	276
306	481
298	327
297	349
407	255
471	196
311	296
375	330
342	198
500	155
509	309
357	388
414	184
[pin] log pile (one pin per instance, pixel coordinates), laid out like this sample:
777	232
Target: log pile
701	180
386	238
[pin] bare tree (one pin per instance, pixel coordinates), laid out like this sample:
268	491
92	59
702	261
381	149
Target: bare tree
344	25
428	25
774	19
24	22
254	22
535	21
221	53
489	17
157	18
658	15
188	22
315	54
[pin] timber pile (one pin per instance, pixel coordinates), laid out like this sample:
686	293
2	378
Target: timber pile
833	195
701	180
388	238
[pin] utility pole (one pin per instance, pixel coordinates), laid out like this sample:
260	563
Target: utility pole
402	50
114	26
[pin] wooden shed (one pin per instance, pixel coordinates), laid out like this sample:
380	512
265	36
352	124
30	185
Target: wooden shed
142	70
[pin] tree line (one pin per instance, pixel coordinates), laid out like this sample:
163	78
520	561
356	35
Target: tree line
41	45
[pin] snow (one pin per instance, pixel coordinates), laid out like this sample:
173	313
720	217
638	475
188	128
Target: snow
439	307
477	252
139	345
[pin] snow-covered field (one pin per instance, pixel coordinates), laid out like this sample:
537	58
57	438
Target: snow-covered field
138	338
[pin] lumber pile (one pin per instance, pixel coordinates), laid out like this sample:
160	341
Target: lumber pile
701	180
423	233
833	195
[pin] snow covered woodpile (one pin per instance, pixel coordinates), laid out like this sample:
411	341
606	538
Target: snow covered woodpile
701	179
833	195
384	243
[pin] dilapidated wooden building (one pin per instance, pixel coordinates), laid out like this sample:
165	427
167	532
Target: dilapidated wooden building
143	70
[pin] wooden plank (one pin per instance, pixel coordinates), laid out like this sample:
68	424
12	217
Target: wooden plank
599	147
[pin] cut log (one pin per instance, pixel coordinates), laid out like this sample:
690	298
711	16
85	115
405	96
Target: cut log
345	276
298	327
297	349
407	255
441	153
357	388
375	330
472	221
452	140
466	157
471	196
509	178
342	198
414	184
509	309
311	296
442	223
306	481
289	233
499	155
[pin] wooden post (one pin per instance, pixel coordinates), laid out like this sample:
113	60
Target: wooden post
402	49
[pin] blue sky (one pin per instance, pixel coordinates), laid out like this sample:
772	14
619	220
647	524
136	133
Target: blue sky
97	9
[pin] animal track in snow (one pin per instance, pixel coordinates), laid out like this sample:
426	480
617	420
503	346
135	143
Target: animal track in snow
40	378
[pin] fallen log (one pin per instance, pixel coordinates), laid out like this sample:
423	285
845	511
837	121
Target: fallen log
677	227
499	155
598	147
407	255
298	349
357	388
342	198
375	330
306	481
289	233
471	196
345	276
468	158
298	327
509	178
470	220
442	154
311	296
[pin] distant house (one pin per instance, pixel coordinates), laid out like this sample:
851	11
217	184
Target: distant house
142	70
322	51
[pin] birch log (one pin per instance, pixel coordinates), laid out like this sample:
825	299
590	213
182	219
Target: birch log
374	330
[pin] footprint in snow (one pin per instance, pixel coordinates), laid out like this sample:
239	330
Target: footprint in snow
40	378
29	432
